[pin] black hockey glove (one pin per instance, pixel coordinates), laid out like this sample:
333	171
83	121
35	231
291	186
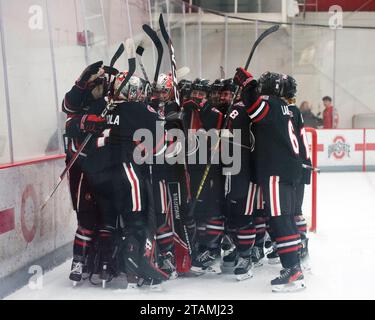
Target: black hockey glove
93	124
243	77
89	75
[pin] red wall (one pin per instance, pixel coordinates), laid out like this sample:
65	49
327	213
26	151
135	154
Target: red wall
346	5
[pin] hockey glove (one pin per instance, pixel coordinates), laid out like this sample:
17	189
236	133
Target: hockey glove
88	75
93	124
242	77
193	105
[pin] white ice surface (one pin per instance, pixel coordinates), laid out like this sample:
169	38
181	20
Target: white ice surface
342	255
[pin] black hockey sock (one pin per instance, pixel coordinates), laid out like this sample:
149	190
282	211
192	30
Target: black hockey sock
214	232
245	235
287	240
260	227
82	243
301	225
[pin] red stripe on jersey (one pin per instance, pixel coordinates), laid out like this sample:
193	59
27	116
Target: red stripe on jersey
131	173
262	114
219	122
254	105
274	196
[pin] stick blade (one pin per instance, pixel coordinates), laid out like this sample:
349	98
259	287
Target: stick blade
130	48
182	72
117	54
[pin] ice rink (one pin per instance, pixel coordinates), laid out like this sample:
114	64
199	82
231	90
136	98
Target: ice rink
342	257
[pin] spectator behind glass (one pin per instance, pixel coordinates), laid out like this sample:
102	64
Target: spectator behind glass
330	116
309	118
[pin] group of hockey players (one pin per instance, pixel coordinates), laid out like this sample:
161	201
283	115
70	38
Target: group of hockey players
135	219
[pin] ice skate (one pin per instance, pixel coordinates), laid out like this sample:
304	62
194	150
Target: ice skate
290	279
243	269
257	254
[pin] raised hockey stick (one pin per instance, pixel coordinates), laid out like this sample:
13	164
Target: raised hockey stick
182	257
225	124
129	45
139	51
159	47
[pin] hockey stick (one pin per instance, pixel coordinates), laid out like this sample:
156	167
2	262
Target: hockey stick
305	166
139	51
208	166
182	255
159	47
110	105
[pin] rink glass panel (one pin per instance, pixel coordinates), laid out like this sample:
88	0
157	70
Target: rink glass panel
30	77
4	136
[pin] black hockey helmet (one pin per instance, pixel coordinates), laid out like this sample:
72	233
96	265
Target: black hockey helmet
276	84
217	85
228	84
201	85
185	88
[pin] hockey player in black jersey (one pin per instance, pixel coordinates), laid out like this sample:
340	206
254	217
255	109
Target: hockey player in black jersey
82	104
200	116
121	188
278	167
240	188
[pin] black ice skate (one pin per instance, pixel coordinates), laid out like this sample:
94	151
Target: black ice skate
273	256
203	261
290	279
76	272
243	269
229	261
257	254
150	284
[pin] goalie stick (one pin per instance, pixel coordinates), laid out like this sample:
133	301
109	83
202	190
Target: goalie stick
184	247
129	45
225	124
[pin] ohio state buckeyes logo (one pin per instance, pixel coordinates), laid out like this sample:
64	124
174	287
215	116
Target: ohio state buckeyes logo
339	148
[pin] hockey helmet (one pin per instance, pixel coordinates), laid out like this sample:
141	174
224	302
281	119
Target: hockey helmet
184	86
164	87
276	84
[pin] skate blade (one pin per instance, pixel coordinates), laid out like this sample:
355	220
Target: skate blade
156	288
245	276
132	285
274	261
258	264
290	287
173	275
75	283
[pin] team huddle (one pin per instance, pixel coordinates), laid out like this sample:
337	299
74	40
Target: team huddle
138	218
172	179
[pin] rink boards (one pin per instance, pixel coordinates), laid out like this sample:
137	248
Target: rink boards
28	234
346	149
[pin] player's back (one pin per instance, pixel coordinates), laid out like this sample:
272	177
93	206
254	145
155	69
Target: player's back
276	144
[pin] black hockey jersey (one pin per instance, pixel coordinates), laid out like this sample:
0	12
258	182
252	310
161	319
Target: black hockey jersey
277	151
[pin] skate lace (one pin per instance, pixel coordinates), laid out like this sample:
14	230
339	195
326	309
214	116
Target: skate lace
285	273
77	267
243	262
204	256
